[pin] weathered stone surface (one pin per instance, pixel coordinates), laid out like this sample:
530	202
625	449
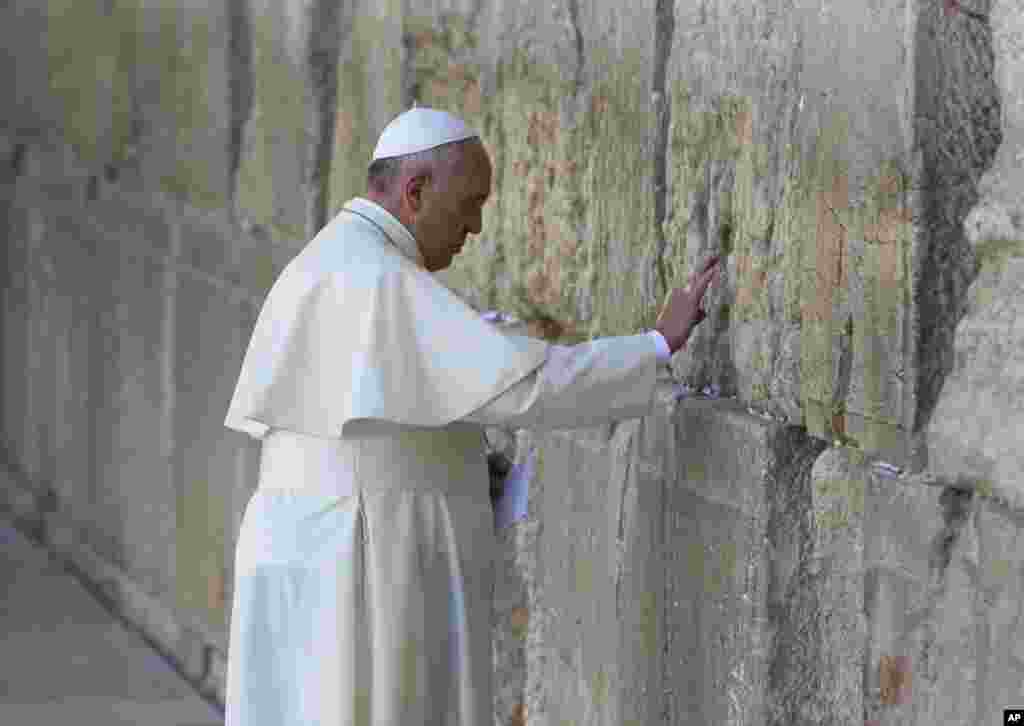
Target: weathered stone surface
974	430
976	427
562	96
202	462
150	196
999	589
374	50
285	153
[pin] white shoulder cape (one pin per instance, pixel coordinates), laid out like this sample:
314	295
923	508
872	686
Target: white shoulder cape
354	328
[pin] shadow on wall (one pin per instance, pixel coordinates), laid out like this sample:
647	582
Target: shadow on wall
958	127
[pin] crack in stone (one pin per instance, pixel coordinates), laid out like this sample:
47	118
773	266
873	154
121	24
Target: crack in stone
324	46
574	21
664	33
240	86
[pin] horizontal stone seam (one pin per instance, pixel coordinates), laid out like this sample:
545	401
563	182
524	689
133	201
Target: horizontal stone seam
604	451
96	569
894	569
167	259
103	573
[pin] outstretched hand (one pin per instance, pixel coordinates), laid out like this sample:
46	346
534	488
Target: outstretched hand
682	311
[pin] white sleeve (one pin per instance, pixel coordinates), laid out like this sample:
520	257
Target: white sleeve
581	385
664	352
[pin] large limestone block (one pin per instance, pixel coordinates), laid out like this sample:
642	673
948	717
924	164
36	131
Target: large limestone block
372	63
999	583
814	184
580	581
14	332
139	91
131	510
738	491
562	94
285	149
27	107
683	529
1002	187
205	467
975	428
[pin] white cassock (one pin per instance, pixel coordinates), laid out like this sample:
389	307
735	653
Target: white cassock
364	564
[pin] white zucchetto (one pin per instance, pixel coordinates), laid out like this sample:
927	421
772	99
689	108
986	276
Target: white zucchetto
419	129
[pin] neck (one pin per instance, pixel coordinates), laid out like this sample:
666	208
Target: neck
386	203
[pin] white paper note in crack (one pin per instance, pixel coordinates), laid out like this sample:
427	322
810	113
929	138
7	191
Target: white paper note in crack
512	505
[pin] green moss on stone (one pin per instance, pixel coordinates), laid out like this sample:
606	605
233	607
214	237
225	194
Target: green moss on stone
583	578
994	253
183	57
599	687
281	107
128	42
648	622
361	76
75	32
200	547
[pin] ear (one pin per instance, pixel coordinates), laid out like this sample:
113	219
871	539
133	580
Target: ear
412	192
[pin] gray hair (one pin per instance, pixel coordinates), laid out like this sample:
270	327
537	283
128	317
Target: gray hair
383	173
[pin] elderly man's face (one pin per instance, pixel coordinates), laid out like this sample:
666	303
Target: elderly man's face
451	206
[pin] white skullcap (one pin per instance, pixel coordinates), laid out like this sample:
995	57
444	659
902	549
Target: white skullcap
419	129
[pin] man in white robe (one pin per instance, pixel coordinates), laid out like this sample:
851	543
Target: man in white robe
363	569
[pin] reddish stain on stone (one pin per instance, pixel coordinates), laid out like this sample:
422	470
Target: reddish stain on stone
894	679
343	128
518	715
551	170
536	284
745	127
520	617
542	129
473	97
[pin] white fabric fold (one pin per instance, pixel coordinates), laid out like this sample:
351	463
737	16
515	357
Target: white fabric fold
356	328
664	352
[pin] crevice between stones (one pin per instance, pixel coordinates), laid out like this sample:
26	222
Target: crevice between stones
664	32
324	44
240	86
958	131
794	607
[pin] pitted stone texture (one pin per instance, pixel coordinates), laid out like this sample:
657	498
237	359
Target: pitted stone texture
579	607
1000	212
999	596
890	542
958	127
371	68
838	485
728	477
202	462
566	114
784	167
975	430
942	629
284	155
515	597
29	109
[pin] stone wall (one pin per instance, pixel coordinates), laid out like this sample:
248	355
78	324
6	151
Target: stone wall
827	533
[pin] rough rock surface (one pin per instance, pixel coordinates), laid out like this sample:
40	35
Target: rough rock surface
858	165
